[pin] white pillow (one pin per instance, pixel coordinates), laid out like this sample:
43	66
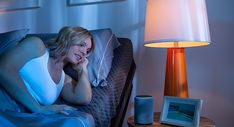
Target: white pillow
100	60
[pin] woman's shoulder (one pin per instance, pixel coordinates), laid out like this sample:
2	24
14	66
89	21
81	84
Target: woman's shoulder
34	44
26	50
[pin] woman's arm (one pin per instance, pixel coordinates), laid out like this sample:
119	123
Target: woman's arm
11	62
78	92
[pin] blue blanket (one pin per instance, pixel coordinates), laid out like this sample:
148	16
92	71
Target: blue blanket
13	114
18	119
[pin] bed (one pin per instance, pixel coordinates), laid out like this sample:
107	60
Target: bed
108	105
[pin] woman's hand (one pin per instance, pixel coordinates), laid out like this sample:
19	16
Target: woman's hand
81	66
54	109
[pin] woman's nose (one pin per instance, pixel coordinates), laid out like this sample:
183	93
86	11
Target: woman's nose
84	52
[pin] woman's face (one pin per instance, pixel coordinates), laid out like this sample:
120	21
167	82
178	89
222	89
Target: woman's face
78	52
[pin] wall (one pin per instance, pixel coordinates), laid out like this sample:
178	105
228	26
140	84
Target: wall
210	69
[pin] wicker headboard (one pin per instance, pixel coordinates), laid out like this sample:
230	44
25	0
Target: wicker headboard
117	121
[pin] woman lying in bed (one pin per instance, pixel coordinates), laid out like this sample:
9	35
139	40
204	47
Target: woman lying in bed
33	72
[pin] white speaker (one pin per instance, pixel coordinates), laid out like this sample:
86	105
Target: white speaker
143	109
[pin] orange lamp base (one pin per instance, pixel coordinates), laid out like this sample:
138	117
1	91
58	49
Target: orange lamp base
176	80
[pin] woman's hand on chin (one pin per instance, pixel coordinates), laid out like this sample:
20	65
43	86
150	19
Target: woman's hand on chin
81	66
56	109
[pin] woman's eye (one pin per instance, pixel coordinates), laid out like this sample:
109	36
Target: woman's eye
82	44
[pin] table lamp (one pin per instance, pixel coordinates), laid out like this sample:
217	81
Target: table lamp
175	25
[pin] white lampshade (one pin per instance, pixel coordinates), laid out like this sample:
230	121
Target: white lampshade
176	23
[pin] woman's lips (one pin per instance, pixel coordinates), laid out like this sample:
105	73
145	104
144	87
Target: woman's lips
78	57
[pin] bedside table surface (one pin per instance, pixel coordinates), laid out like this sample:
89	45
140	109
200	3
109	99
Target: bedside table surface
204	122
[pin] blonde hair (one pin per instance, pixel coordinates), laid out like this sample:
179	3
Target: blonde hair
67	36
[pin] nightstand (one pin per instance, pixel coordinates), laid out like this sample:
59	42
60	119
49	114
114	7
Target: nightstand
204	122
